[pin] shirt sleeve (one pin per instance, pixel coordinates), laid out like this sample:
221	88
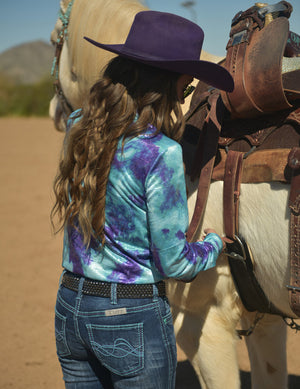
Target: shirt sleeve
168	221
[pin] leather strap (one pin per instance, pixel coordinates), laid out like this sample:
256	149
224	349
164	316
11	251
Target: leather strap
294	204
231	192
260	166
209	145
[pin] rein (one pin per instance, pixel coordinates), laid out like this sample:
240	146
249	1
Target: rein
67	108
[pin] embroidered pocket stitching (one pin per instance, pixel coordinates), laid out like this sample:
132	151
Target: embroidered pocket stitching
121	349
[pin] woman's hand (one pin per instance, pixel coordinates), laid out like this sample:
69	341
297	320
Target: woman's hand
212	231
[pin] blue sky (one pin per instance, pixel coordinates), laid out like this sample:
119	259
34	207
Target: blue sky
28	20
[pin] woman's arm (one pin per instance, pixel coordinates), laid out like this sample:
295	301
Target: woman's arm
168	221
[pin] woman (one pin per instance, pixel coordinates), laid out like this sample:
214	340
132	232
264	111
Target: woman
121	199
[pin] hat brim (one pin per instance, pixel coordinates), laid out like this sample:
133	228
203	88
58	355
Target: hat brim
208	72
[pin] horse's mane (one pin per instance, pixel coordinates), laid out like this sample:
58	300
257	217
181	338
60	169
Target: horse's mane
104	21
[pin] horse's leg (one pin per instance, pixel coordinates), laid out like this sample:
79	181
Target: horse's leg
217	354
213	354
205	319
267	352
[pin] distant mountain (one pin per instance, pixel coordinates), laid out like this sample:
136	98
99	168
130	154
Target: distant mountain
27	63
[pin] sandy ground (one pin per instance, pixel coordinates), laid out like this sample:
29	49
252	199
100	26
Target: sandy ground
31	264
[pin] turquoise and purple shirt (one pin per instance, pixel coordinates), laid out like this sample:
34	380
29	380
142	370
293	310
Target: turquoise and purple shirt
146	218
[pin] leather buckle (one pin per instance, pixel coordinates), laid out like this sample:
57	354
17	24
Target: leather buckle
238	38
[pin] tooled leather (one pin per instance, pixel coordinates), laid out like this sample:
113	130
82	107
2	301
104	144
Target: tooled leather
294	204
255	64
231	192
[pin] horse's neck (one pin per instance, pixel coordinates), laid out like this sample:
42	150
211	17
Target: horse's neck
97	19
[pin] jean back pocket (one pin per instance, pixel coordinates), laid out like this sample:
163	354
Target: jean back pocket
118	347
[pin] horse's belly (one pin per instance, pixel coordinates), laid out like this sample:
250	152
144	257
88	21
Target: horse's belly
264	223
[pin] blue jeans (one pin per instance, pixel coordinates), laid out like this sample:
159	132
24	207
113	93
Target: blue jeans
115	343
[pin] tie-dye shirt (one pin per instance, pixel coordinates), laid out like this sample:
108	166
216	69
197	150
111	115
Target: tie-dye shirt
146	218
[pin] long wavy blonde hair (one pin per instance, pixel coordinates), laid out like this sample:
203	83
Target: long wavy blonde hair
128	97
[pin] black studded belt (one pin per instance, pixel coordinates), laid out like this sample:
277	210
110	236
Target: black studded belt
103	289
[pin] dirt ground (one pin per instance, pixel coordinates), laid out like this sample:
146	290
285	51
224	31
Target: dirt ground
31	264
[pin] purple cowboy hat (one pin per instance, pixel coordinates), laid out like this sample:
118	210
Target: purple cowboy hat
170	42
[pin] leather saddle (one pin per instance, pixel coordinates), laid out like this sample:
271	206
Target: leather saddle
263	57
250	135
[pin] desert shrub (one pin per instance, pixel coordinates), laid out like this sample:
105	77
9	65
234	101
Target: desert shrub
25	99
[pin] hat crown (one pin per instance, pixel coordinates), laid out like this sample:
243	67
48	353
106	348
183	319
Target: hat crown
164	36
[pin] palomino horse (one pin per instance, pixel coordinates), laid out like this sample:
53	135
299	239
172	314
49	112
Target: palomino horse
208	310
